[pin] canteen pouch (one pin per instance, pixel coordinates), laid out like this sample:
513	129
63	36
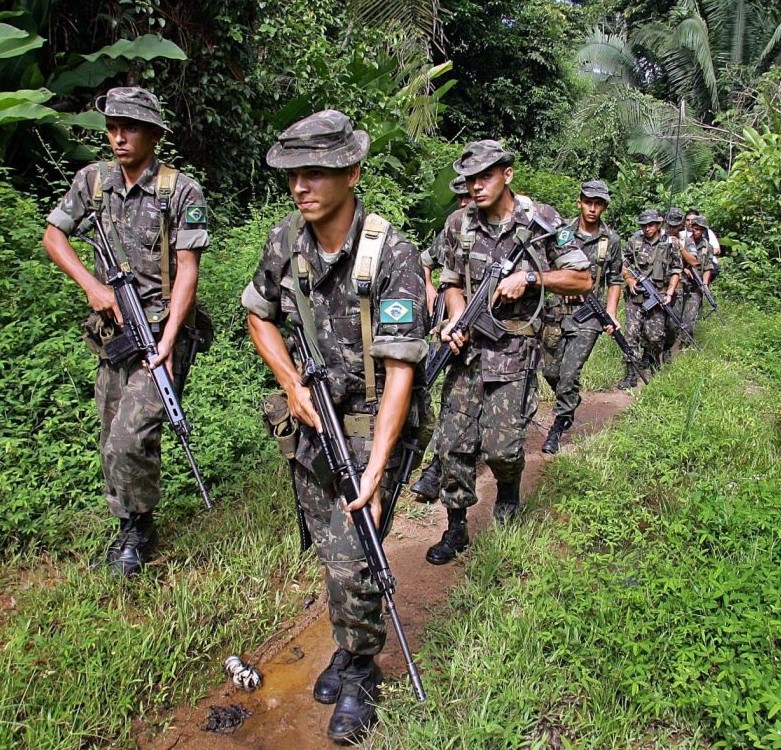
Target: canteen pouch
281	426
106	339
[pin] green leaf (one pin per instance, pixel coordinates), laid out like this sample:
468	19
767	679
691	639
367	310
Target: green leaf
26	111
87	75
15	42
88	120
34	96
146	47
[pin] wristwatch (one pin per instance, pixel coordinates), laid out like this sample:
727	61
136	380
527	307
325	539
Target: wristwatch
531	278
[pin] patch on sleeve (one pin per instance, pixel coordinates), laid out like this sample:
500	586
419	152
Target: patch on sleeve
195	215
396	311
563	236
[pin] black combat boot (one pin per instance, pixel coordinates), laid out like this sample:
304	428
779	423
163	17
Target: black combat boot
427	487
508	496
453	541
329	683
140	541
560	425
354	713
114	548
630	379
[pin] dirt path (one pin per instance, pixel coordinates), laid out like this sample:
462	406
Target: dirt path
284	716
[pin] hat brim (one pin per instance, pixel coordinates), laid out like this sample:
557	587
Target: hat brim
100	106
649	221
595	194
506	160
351	153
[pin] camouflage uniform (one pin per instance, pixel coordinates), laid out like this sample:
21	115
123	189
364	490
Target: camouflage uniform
691	294
659	259
130	409
568	344
484	386
354	601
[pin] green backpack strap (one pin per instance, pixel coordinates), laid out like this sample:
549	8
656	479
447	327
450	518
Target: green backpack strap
164	189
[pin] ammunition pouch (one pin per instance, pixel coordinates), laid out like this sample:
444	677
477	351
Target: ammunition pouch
281	426
104	337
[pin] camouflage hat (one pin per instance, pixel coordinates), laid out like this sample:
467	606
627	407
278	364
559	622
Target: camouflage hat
675	216
324	139
700	221
649	216
480	155
595	189
458	185
132	102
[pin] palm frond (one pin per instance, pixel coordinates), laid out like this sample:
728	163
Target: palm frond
423	18
607	58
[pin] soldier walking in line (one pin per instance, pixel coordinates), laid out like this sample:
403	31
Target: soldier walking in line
490	389
567	343
652	255
311	274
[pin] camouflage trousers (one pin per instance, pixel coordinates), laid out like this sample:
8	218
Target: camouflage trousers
671	332
565	361
481	421
691	309
354	600
131	417
644	330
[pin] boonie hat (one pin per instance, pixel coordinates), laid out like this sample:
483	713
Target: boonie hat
700	221
649	216
132	102
324	139
480	155
675	216
458	185
595	189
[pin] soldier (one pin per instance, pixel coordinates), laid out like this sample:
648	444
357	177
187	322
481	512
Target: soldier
698	255
426	488
653	256
673	230
491	394
306	273
126	193
568	344
712	238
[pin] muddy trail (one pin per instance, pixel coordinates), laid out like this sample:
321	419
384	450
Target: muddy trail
283	714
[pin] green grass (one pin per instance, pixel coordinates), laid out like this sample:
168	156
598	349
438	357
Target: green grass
639	605
84	652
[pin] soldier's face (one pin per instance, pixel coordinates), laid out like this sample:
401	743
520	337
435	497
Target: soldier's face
320	193
488	186
650	230
132	142
591	209
697	232
464	200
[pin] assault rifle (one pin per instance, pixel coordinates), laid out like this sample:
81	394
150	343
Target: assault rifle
477	313
706	292
137	338
342	464
593	308
654	299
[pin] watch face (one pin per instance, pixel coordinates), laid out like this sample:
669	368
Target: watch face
531	277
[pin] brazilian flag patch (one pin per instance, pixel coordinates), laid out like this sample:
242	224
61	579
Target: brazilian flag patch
396	311
563	236
195	215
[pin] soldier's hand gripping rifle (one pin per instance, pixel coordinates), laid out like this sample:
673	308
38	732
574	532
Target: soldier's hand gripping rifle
593	308
654	299
477	314
138	338
706	292
342	464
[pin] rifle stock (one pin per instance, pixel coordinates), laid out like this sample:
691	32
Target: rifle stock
139	339
342	464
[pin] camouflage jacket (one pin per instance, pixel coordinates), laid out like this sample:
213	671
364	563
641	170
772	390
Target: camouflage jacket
398	330
703	251
434	256
610	274
659	259
136	215
503	360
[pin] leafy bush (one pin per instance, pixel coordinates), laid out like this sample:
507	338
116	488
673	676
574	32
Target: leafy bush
49	429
